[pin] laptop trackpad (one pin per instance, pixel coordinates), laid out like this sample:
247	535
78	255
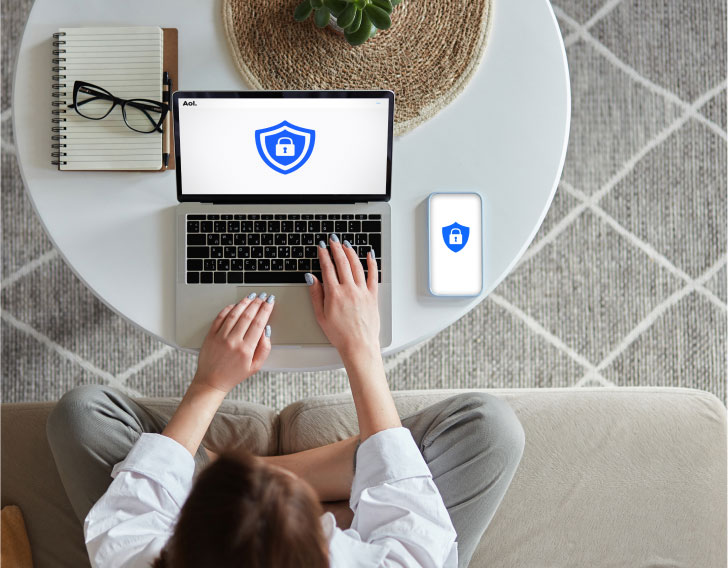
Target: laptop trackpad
292	321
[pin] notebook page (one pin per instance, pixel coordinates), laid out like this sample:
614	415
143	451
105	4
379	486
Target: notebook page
127	62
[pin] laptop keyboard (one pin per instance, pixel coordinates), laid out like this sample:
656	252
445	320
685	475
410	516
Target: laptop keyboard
272	248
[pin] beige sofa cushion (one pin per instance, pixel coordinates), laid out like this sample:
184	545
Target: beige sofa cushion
609	477
30	479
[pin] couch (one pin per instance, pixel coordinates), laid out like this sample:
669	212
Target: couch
610	477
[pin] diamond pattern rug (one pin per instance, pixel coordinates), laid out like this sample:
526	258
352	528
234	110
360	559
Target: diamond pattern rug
624	284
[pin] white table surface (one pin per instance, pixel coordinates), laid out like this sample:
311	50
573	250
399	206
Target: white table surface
504	136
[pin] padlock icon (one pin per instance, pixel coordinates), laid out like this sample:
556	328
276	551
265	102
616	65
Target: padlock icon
456	237
284	148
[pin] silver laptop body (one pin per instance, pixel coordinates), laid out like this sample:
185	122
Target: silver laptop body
293	320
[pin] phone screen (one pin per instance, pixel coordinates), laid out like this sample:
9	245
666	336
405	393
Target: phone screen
456	244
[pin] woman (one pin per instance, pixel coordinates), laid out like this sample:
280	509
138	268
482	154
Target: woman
420	491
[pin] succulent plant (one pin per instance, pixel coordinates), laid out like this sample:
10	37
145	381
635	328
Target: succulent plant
360	19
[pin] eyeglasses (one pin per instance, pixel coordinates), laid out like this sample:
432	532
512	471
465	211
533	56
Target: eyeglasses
141	115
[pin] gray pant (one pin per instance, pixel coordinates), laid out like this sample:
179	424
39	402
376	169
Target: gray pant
471	442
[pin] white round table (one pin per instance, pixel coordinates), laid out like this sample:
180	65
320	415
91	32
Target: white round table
505	137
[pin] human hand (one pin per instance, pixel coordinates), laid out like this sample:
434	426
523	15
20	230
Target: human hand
237	344
346	304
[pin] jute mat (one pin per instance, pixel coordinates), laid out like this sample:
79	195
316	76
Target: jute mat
427	57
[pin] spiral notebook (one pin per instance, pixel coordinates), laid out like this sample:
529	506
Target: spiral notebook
128	62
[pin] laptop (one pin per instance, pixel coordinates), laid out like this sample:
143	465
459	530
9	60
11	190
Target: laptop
262	177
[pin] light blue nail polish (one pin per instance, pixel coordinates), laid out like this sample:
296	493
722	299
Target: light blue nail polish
371	251
271	299
347	244
309	278
252	296
267	331
322	244
263	295
334	238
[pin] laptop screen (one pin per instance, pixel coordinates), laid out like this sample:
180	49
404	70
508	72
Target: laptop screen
283	146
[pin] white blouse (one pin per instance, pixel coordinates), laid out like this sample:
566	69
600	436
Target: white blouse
399	516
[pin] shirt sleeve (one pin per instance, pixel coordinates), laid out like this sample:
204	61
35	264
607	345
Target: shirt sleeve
134	519
398	511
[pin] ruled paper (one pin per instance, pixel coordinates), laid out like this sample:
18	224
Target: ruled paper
127	62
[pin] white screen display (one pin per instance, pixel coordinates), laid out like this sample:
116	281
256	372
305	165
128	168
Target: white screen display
286	146
456	244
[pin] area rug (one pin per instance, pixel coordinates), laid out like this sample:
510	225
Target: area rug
625	283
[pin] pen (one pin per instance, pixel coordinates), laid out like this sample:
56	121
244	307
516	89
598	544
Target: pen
166	91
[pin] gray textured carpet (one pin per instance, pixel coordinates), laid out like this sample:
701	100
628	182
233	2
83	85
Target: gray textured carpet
625	282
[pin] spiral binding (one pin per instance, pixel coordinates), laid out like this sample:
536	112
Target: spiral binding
58	93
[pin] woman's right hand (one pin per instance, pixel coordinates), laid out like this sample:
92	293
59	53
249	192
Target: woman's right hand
346	304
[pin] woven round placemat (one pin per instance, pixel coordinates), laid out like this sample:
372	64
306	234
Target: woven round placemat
427	57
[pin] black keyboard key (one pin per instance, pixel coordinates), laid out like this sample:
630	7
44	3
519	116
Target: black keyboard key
259	226
284	252
226	217
251	264
239	216
253	217
279	216
267	216
213	239
315	265
286	226
300	226
235	277
220	277
319	216
223	264
311	252
194	264
294	239
334	216
360	239
375	216
256	252
236	264
193	226
314	226
360	216
206	278
239	239
291	264
210	264
375	241
206	226
226	239
264	264
327	226
196	217
253	239
233	226
304	265
196	239
347	216
363	251
213	217
274	226
296	252
198	252
307	216
371	226
269	252
347	237
273	277
280	239
354	226
229	252
246	226
340	226
219	226
306	239
318	237
266	239
193	278
276	264
243	252
216	252
294	216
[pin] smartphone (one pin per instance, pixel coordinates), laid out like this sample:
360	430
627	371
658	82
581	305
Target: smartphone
455	244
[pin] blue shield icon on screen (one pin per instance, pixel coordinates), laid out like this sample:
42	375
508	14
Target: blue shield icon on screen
285	147
455	236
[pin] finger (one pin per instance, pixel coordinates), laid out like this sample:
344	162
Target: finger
262	350
343	268
256	327
357	270
317	296
372	276
247	317
328	273
234	315
220	318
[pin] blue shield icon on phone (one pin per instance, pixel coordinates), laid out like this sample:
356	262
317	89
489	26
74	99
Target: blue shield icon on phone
285	147
455	236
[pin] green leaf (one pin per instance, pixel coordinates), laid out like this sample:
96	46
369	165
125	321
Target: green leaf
379	17
317	4
302	11
346	17
395	2
355	24
362	34
336	7
321	17
385	5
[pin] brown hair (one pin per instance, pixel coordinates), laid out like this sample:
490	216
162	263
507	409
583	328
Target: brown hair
243	512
